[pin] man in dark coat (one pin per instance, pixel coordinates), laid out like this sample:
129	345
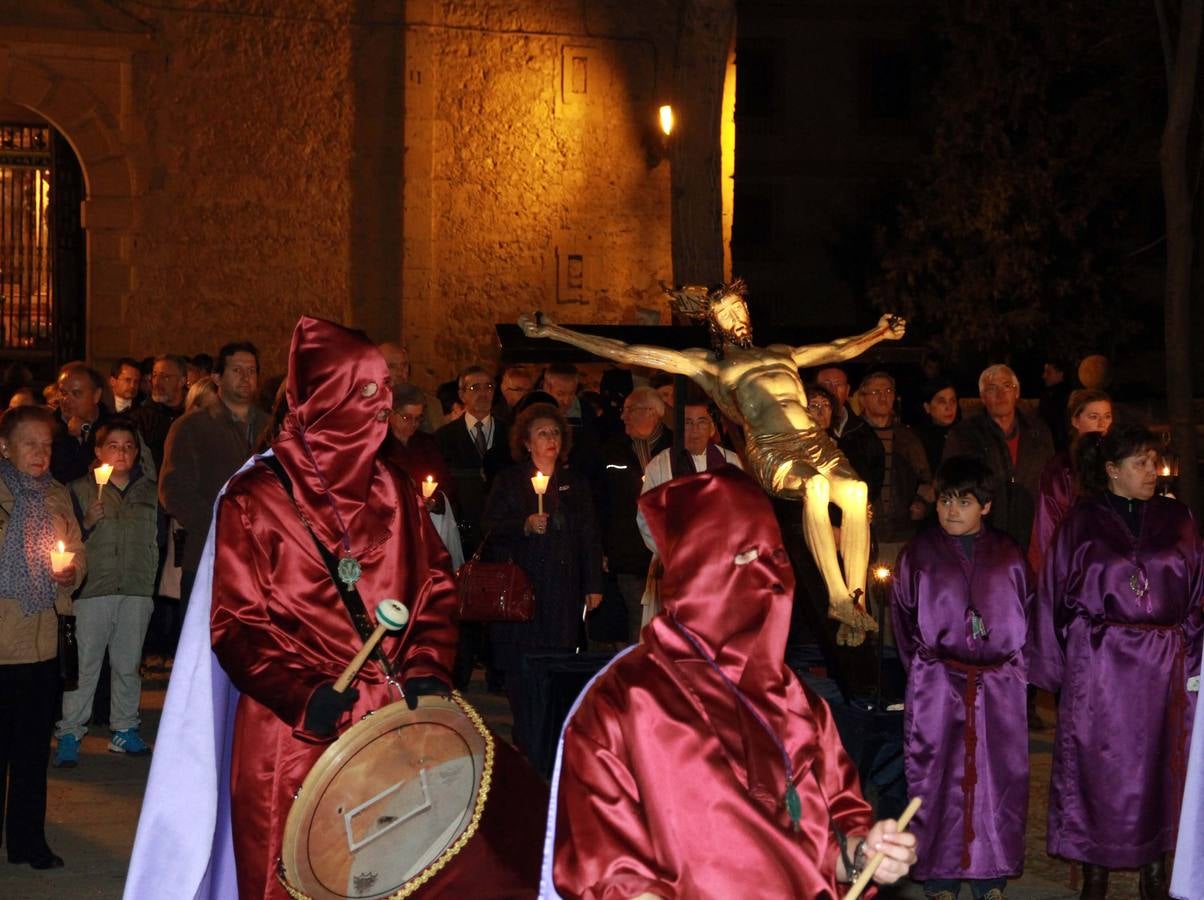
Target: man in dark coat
80	414
1014	444
624	459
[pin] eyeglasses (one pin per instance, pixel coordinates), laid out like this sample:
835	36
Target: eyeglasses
819	407
880	392
407	419
479	386
636	409
1005	388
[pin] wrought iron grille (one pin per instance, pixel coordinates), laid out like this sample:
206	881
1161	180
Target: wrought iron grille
26	273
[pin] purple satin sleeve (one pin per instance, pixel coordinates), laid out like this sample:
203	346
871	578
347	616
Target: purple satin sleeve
1054	498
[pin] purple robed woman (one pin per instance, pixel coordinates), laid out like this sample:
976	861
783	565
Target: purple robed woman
1117	631
1090	412
961	599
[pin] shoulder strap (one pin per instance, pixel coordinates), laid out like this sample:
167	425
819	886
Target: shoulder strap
352	602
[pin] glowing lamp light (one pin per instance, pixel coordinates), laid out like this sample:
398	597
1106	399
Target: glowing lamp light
666	117
881	573
60	558
428	487
539	481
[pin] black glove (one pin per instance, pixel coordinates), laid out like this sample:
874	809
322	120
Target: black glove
428	684
326	707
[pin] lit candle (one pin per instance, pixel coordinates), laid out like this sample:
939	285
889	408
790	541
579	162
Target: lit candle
60	558
882	573
1166	472
102	474
539	481
429	486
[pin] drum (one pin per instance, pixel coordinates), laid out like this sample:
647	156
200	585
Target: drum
389	803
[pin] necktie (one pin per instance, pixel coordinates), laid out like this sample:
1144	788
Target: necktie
482	447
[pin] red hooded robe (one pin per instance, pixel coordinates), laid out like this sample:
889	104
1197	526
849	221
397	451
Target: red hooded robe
668	782
279	628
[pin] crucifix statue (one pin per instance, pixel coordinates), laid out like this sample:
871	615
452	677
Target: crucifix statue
787	452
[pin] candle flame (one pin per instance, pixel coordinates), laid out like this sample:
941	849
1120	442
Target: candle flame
539	481
62	548
882	573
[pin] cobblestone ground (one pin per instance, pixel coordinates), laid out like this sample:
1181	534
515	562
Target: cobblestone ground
93	813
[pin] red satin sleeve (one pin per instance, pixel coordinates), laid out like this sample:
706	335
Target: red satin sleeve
602	842
837	776
267	659
433	633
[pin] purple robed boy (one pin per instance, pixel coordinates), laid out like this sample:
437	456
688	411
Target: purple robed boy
951	672
1188	882
1117	631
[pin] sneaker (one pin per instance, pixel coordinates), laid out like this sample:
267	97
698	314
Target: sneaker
129	741
66	754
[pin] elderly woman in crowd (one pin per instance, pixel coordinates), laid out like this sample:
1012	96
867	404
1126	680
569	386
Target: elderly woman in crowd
1090	412
558	549
35	514
1117	631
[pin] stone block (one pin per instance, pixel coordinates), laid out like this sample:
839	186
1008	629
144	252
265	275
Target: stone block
92	141
107	212
70	104
28	85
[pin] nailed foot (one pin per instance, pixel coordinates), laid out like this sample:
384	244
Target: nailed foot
849	611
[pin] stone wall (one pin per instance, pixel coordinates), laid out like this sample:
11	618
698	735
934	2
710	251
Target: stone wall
423	169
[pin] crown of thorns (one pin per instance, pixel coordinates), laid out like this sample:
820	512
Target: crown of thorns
695	301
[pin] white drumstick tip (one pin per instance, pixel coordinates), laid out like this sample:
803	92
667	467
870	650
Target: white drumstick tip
392	614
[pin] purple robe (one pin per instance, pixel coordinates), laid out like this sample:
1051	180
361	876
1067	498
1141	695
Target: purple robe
1117	631
1055	496
936	592
1188	881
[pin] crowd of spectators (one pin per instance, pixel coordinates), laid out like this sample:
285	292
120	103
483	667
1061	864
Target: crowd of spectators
174	429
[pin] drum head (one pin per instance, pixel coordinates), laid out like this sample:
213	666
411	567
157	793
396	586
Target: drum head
387	804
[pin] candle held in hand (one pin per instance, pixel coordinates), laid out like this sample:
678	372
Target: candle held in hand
539	481
60	558
428	487
102	474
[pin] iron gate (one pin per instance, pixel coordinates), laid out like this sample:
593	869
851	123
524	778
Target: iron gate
41	247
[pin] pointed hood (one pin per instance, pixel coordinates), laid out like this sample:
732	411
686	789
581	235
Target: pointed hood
727	577
339	398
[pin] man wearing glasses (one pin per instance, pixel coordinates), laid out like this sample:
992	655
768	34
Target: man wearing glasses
1014	443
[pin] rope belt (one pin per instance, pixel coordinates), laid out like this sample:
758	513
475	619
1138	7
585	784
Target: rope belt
973	674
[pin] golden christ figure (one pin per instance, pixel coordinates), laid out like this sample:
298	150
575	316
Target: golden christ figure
787	452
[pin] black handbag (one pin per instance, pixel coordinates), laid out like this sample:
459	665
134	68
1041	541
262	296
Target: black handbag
68	653
494	592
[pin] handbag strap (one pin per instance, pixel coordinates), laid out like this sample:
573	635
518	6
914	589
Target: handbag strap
352	602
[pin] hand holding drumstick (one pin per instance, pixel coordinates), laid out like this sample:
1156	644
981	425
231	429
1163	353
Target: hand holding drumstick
895	851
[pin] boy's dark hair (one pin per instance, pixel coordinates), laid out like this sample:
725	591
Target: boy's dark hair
119	423
224	354
203	362
960	475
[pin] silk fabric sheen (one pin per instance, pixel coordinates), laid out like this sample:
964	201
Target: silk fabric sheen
934	588
1121	662
668	784
279	629
1054	499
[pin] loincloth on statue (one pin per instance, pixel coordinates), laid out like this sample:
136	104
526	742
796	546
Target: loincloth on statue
806	453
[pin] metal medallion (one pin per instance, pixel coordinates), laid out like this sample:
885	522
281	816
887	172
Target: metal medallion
349	570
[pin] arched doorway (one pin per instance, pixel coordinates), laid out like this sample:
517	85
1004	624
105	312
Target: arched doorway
42	248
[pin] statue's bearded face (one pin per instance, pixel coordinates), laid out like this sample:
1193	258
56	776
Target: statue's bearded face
730	316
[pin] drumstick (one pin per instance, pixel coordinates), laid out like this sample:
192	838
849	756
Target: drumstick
864	878
392	616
